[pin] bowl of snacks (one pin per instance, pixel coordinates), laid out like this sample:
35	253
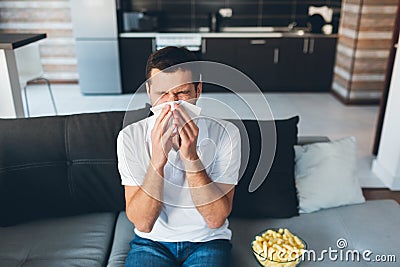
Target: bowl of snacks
278	247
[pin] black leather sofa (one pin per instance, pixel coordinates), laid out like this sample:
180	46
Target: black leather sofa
62	203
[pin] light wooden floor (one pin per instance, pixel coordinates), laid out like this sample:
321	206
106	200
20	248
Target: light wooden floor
381	193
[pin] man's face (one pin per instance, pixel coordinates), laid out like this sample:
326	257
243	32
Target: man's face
164	87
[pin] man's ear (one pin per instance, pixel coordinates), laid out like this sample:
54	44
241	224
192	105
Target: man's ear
199	89
148	88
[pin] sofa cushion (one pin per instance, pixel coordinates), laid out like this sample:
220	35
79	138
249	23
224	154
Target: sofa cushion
123	235
372	225
83	240
277	195
326	170
60	166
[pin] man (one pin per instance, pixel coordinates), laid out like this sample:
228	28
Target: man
179	177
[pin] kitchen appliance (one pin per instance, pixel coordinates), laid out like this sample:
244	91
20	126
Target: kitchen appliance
96	38
319	17
139	21
192	41
315	23
324	11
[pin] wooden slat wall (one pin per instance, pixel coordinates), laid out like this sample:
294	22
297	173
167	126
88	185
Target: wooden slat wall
365	35
54	18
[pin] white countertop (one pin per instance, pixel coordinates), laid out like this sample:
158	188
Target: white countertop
231	35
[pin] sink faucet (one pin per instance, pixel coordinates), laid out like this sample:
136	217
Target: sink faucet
292	25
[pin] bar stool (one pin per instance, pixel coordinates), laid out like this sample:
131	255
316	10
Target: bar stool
30	69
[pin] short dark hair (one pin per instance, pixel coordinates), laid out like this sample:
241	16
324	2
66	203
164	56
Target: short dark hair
168	57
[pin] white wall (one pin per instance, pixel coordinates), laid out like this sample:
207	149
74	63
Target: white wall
387	164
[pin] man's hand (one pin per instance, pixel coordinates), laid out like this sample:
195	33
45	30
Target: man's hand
161	138
188	132
212	200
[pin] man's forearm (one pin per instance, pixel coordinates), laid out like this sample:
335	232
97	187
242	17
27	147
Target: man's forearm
212	203
145	206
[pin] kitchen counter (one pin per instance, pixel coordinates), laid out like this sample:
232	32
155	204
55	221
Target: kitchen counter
232	34
15	40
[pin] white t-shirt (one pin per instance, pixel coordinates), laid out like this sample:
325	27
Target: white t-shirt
218	146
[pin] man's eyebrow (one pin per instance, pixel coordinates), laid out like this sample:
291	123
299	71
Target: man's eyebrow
159	91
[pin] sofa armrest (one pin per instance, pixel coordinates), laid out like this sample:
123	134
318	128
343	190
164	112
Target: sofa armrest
309	139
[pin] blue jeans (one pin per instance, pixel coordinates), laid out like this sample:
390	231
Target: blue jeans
147	253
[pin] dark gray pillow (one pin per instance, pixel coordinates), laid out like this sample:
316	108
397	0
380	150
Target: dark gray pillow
60	166
277	195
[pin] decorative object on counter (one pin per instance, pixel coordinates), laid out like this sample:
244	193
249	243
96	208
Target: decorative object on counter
225	12
327	29
140	21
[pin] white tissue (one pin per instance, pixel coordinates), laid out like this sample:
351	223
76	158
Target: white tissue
191	110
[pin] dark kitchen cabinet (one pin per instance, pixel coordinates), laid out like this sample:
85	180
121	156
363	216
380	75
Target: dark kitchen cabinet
221	50
133	58
320	62
277	64
299	64
258	58
307	64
